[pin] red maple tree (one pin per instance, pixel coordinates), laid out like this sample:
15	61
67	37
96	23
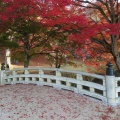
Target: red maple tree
104	20
53	15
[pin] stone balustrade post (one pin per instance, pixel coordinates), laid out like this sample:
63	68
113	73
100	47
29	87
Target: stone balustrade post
1	77
41	80
79	78
58	82
26	72
14	79
110	85
41	73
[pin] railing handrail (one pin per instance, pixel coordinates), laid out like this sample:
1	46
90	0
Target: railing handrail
61	70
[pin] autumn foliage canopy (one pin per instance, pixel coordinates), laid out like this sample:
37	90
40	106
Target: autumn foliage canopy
94	25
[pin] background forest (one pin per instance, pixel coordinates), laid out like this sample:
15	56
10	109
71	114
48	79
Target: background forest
61	32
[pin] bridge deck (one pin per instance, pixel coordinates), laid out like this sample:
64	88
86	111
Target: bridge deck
32	102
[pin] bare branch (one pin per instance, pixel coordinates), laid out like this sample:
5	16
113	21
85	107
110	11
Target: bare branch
88	2
101	1
95	6
103	43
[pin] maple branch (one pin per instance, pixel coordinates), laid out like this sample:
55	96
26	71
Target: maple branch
114	45
85	6
82	1
101	1
95	7
103	13
112	11
117	6
119	18
103	43
41	52
108	9
118	13
105	40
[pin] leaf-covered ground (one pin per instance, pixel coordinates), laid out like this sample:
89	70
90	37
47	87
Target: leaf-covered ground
32	102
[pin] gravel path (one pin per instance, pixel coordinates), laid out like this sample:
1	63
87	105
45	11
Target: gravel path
32	102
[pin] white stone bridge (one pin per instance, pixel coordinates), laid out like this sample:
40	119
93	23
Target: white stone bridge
105	88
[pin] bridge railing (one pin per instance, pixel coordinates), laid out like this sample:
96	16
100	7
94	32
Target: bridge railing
105	88
79	82
117	86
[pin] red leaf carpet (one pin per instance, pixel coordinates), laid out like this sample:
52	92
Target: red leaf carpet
32	102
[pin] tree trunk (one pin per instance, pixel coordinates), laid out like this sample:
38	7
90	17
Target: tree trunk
56	59
117	62
26	56
57	64
26	60
115	51
26	51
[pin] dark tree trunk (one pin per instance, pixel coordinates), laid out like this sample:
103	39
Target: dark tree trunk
26	60
26	54
57	64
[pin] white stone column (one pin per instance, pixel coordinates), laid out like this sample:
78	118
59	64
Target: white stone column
79	86
58	82
110	84
41	80
1	77
111	90
8	58
26	72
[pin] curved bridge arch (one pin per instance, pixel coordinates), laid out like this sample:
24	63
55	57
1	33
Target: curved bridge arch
76	81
